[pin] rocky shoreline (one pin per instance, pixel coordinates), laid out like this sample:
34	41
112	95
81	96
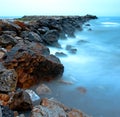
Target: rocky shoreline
25	60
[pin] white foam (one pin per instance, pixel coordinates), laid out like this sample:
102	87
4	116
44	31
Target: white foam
109	24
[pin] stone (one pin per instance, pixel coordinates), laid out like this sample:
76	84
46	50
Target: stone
6	112
33	95
51	37
53	108
4	98
60	54
21	102
43	89
33	63
7	41
8	80
71	49
7	25
32	36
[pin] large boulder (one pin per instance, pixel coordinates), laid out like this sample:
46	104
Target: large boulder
33	63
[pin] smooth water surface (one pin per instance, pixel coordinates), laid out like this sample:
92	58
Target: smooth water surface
95	68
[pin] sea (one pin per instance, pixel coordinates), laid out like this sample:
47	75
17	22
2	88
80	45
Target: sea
92	74
91	78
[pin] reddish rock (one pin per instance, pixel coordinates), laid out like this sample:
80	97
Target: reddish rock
32	63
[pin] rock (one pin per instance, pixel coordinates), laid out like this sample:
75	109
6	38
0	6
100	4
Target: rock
60	54
48	110
87	24
43	89
82	42
33	63
6	112
12	33
8	80
66	82
51	37
7	25
71	49
33	95
53	108
43	30
32	36
4	98
82	90
21	101
7	41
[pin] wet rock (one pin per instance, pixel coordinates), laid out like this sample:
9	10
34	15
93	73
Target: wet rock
8	80
21	101
43	89
71	49
7	41
51	37
82	42
60	54
82	90
33	95
48	109
53	108
6	112
32	63
66	82
87	24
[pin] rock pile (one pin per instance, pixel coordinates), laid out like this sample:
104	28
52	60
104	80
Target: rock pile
25	60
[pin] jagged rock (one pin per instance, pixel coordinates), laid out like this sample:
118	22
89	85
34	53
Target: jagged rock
6	25
43	89
53	108
51	37
32	36
32	63
7	41
8	79
21	101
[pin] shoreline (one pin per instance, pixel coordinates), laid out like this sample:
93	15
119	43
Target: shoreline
22	43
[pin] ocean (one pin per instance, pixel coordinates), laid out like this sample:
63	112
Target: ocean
93	73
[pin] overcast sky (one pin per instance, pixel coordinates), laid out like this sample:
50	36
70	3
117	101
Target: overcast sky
59	7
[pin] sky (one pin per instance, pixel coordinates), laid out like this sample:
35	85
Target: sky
59	7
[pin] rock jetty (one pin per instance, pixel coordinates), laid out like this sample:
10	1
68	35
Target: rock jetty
25	60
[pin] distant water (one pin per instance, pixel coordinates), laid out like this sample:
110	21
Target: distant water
9	17
95	68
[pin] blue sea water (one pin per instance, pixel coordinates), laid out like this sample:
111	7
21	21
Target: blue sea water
95	68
